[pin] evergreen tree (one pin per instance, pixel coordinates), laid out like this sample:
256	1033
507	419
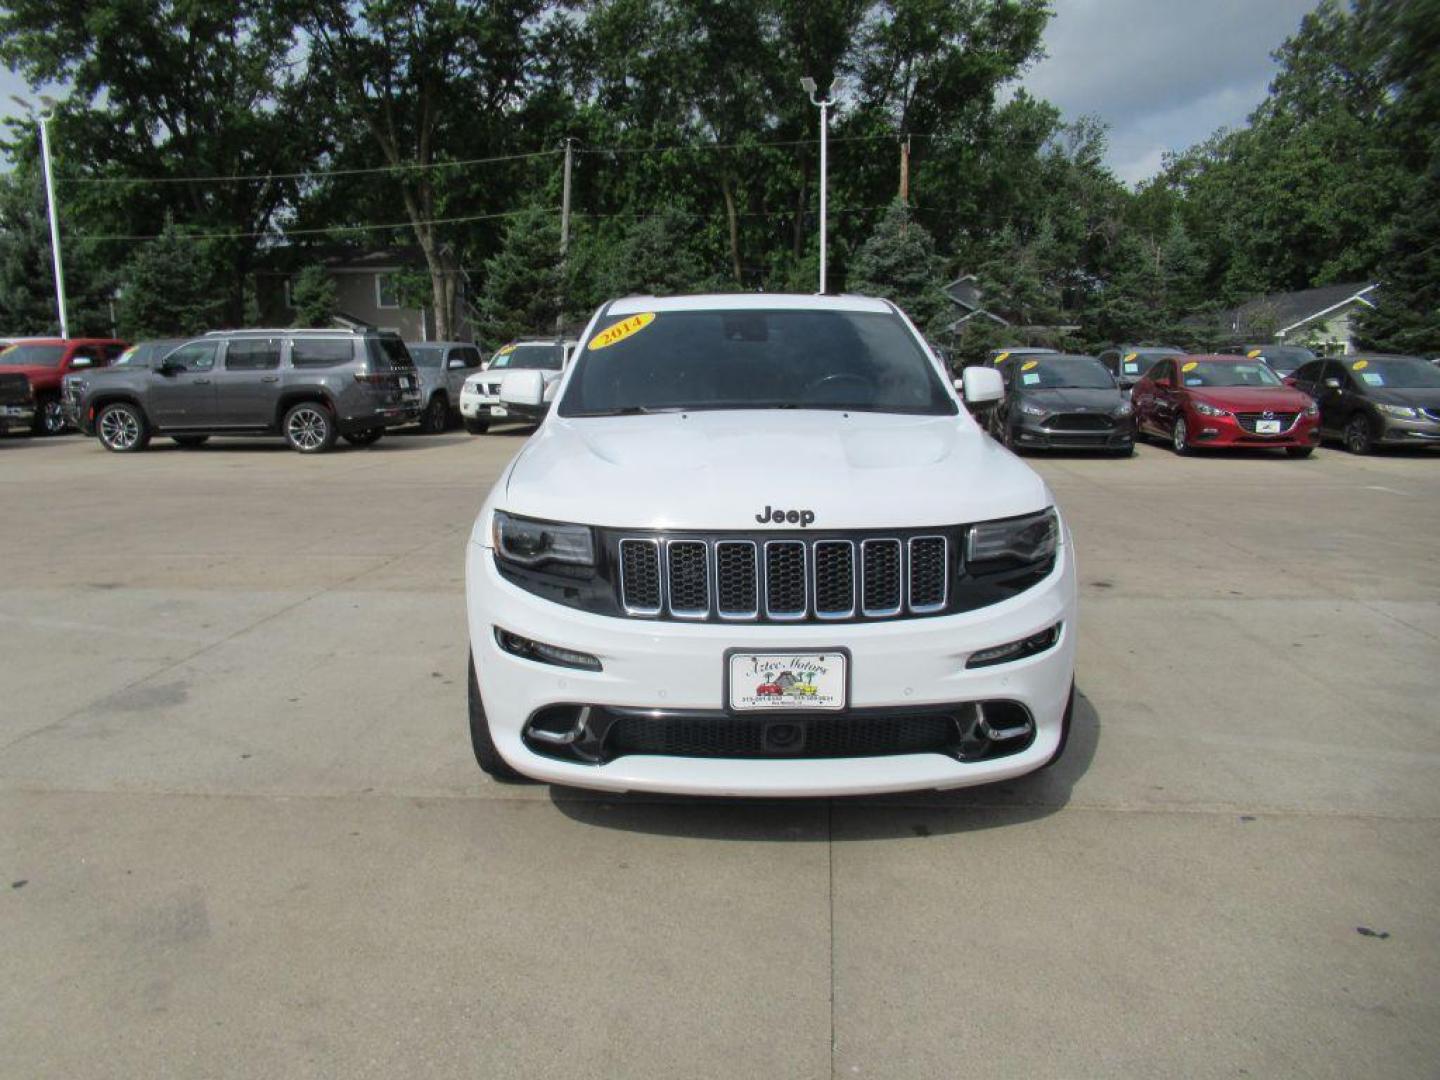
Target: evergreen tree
898	262
655	257
313	296
522	286
1407	316
169	289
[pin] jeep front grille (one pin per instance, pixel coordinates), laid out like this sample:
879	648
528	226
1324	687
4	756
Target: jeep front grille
785	579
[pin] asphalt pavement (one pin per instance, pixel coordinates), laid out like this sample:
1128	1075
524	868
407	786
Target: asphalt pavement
242	833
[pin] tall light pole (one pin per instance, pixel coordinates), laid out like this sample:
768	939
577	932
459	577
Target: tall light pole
43	118
823	104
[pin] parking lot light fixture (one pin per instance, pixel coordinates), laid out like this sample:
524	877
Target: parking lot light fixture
43	119
823	104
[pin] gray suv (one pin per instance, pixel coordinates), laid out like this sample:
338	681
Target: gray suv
308	386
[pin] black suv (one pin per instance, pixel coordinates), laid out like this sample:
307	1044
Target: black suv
308	386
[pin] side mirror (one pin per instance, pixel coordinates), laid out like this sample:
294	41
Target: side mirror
456	363
525	389
1332	383
981	386
167	367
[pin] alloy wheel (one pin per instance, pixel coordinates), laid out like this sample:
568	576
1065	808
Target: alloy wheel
119	429
1181	437
52	417
1357	436
308	428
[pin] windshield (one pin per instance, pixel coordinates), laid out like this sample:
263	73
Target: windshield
1076	371
1402	372
32	356
1216	373
755	359
530	358
425	357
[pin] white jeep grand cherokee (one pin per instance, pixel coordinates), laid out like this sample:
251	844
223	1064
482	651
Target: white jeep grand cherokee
759	547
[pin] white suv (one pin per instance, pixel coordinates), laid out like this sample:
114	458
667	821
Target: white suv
759	547
480	396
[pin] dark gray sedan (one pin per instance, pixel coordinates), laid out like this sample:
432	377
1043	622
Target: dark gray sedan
1063	403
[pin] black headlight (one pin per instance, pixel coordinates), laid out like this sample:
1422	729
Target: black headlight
533	543
1030	539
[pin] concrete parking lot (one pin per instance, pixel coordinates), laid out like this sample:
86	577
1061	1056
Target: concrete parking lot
242	834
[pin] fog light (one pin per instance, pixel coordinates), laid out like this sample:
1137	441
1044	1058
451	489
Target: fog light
1015	650
538	651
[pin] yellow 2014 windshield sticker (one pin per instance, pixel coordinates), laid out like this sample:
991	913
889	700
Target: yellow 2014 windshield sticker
1002	358
1191	366
505	350
1360	365
621	330
1253	353
1131	355
1029	364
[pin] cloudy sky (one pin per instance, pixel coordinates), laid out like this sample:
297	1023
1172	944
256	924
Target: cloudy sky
1164	74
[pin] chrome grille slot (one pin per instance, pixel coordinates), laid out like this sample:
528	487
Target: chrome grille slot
737	579
834	578
640	576
880	580
785	579
688	567
928	573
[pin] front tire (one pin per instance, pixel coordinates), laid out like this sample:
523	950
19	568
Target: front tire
1359	439
486	756
49	417
368	437
122	428
477	426
309	428
436	417
1180	437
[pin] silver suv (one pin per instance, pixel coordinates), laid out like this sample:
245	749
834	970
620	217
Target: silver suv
308	386
443	367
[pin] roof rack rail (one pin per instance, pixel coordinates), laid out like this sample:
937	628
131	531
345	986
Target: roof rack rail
288	330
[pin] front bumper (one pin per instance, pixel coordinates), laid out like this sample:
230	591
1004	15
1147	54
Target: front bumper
18	417
1421	432
895	664
482	407
1225	431
1036	433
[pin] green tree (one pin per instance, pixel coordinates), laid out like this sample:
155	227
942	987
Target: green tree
1407	316
654	257
521	293
167	289
314	297
898	262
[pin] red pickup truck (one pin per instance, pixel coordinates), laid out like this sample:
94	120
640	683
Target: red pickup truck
46	362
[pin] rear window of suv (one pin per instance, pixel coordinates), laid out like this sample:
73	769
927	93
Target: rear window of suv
389	352
321	352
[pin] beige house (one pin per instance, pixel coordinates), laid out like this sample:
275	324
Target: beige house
365	289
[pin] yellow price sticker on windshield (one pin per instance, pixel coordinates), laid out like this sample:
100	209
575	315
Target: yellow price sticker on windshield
1002	357
1360	365
621	330
505	350
1131	355
1191	366
1029	364
1253	353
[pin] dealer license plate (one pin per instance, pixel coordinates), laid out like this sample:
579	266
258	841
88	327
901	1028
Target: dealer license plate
781	681
498	410
1267	427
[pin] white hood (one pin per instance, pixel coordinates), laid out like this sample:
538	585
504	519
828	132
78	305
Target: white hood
718	470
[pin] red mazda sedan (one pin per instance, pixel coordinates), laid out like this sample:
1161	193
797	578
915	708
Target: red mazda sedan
1224	401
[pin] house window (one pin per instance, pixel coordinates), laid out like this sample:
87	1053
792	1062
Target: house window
385	292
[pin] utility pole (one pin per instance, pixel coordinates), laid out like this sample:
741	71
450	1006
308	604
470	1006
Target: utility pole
44	118
564	237
905	180
823	104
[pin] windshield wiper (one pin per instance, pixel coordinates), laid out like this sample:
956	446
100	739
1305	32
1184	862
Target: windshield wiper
632	410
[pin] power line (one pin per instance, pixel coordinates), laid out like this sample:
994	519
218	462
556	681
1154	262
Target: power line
246	177
279	233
